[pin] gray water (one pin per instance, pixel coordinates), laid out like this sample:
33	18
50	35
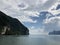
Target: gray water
30	40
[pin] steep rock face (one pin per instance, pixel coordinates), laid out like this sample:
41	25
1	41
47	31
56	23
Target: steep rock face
11	26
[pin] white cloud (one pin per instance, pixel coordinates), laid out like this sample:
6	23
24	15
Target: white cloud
23	8
53	10
24	18
16	9
52	23
22	4
32	13
37	31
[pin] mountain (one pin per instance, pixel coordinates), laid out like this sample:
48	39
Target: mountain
54	33
11	26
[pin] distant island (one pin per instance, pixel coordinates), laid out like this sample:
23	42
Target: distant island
54	33
11	26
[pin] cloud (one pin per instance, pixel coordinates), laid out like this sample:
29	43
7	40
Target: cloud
24	18
53	10
37	31
16	9
47	5
32	13
52	23
23	9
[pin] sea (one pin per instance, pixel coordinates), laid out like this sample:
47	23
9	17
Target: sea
30	40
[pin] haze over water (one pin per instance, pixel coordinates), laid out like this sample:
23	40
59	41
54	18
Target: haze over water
30	40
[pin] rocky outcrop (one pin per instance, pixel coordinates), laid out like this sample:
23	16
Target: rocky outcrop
11	26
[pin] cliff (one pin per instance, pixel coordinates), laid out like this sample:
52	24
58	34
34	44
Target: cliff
11	26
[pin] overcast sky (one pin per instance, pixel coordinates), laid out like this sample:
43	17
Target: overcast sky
40	16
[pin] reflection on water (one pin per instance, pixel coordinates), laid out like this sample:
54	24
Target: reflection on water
30	40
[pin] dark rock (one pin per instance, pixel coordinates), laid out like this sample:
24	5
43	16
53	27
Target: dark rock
11	26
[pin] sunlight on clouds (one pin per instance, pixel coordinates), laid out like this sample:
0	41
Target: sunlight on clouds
18	9
40	2
17	4
32	13
37	31
27	19
53	9
53	23
55	12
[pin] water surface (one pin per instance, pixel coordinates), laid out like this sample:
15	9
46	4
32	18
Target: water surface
30	40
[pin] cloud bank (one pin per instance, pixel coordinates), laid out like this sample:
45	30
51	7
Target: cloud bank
23	10
53	23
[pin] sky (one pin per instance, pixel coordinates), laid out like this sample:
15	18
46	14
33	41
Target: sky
39	16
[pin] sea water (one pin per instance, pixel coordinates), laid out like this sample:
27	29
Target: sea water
30	40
